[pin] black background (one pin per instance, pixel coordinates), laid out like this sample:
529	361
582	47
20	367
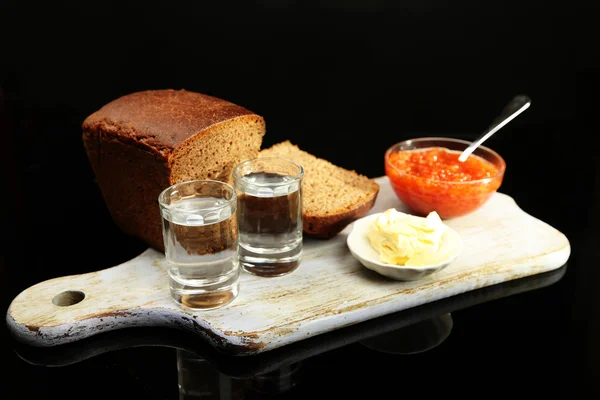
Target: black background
344	80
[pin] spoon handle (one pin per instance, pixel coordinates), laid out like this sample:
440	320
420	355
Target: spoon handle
514	107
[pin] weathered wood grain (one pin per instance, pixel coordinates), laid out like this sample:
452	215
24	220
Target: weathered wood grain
328	291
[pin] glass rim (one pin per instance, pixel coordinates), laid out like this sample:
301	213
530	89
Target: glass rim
501	165
228	203
236	170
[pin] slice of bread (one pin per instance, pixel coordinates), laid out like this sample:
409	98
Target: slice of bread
332	197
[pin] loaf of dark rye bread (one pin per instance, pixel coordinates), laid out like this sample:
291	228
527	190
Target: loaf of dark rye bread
143	142
332	197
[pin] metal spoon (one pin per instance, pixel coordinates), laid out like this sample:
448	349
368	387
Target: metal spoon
514	107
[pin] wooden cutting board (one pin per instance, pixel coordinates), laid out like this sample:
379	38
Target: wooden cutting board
424	323
329	290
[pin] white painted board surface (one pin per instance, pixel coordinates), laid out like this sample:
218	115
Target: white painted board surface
328	291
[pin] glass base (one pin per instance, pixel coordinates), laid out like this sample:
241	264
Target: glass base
270	262
194	298
268	268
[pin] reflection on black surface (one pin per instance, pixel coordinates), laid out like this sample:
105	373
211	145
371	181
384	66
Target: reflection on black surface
414	330
199	379
416	338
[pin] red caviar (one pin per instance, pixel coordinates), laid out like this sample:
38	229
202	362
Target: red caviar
432	179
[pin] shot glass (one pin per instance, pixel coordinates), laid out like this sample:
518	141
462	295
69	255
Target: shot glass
269	215
200	233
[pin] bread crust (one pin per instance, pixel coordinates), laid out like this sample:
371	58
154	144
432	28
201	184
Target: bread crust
130	182
161	120
326	227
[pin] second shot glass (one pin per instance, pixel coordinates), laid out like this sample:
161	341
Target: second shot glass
269	215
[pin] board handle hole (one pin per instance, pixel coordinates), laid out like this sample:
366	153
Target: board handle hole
68	298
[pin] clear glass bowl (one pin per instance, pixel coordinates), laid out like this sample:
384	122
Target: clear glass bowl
448	198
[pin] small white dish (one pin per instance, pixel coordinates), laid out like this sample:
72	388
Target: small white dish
361	249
